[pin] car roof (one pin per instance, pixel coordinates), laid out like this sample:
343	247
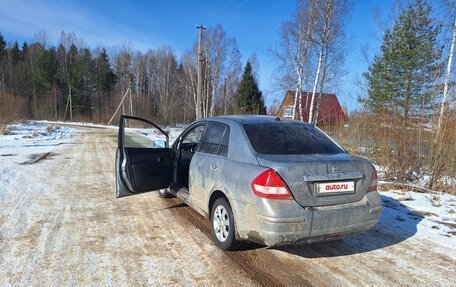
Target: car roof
251	119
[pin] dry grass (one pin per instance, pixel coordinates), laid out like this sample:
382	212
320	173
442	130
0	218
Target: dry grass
12	108
5	131
49	129
407	150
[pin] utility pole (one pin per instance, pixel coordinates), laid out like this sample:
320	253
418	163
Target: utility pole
131	100
200	73
224	97
71	104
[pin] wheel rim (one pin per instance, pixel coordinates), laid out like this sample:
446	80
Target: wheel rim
221	223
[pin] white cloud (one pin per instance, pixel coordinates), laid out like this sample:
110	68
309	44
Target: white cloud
25	18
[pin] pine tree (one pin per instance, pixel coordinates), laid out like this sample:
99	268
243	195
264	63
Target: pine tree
2	46
24	50
249	97
44	78
2	54
104	73
105	80
16	53
82	78
400	77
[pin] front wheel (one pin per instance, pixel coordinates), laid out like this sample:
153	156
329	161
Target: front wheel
222	223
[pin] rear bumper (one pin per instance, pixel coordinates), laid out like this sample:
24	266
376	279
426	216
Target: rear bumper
278	222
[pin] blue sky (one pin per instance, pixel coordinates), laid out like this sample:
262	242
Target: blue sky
150	24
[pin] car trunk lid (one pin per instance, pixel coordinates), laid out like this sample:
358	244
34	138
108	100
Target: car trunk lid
344	178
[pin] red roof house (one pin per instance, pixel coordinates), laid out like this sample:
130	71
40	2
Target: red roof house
330	109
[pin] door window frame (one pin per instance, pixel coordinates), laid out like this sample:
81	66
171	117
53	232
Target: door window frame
123	118
227	129
189	130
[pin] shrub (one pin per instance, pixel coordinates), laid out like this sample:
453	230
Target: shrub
5	131
406	149
12	109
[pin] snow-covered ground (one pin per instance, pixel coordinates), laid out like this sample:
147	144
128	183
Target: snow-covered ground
34	132
51	234
437	212
61	225
434	211
84	124
434	215
154	134
27	142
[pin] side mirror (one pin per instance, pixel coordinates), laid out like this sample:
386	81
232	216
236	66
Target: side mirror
159	144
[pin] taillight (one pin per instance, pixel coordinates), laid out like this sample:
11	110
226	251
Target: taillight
374	181
270	185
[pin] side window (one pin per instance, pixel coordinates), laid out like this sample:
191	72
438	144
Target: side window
223	150
138	133
215	140
288	111
194	136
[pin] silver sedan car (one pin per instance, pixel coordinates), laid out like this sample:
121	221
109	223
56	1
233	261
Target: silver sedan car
256	178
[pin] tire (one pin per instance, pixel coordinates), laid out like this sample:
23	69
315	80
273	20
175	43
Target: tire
164	193
222	225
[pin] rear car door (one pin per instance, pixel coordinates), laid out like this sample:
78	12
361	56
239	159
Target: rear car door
209	161
186	148
144	160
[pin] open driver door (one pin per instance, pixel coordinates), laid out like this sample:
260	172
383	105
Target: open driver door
144	161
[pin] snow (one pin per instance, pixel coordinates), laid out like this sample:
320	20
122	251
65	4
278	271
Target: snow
433	214
84	124
433	217
155	134
421	179
448	180
34	132
152	133
26	142
380	169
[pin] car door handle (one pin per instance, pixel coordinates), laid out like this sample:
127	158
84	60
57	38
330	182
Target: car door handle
159	159
214	166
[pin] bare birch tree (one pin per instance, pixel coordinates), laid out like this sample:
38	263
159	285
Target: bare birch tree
188	79
293	51
452	6
221	72
217	55
166	79
232	76
331	17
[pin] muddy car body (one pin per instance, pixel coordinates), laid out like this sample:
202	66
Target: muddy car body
257	178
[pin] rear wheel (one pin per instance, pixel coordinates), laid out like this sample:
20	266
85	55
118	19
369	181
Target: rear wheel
164	193
222	223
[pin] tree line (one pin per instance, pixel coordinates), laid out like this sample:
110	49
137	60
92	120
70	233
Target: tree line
70	81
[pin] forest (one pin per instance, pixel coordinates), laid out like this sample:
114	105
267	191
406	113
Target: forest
70	81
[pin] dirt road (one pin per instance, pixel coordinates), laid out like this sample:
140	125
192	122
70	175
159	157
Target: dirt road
60	225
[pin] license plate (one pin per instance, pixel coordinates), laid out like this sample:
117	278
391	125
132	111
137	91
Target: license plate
341	186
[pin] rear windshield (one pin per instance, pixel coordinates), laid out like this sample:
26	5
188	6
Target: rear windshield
289	138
